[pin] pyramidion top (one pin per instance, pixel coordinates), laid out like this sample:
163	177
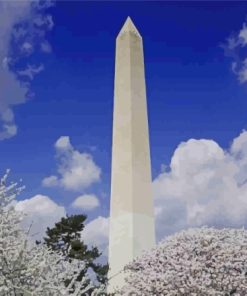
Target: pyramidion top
129	27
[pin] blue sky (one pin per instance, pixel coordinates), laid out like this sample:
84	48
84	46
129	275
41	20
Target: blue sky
192	90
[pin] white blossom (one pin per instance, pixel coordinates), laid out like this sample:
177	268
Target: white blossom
200	261
30	269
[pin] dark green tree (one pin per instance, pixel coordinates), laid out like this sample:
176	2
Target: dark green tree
65	237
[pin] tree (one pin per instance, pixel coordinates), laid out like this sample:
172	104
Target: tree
199	261
25	268
65	237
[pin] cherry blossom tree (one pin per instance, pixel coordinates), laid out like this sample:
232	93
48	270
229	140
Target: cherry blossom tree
25	268
199	261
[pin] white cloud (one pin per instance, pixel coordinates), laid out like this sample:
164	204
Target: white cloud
243	35
76	170
86	202
96	233
41	212
31	71
63	143
205	186
27	48
50	181
19	36
44	21
236	48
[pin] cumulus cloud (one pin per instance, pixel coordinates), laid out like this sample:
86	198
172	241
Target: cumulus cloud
76	170
86	202
204	185
236	47
41	212
23	26
96	233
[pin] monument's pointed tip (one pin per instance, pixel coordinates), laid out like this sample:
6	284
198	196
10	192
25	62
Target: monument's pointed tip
129	27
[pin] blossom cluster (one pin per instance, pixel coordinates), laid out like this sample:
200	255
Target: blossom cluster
26	268
194	262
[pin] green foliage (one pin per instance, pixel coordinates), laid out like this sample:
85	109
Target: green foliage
65	237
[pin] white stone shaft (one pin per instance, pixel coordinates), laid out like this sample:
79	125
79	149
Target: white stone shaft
131	211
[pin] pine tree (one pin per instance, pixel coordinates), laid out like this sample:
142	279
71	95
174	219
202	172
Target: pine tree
65	237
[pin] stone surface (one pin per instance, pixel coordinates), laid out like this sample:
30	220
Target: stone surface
131	211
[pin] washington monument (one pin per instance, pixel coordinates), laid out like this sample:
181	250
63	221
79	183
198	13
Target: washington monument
131	210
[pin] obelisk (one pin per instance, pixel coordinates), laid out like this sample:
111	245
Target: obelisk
132	227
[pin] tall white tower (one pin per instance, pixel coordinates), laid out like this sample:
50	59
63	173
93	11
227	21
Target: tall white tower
131	210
